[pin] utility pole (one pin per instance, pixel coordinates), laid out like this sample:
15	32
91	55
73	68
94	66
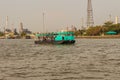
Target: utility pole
90	21
43	23
7	22
6	26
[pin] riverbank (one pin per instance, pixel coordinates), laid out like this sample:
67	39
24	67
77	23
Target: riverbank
89	37
100	37
25	37
2	37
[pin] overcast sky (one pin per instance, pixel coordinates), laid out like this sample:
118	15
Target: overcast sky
58	13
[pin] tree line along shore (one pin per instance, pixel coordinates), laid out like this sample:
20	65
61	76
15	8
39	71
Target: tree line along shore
107	30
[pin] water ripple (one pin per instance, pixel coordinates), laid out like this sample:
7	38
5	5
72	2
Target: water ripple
88	59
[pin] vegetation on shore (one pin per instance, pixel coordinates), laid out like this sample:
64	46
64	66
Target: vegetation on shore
1	33
99	30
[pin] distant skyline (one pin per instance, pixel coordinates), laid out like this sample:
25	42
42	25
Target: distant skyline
58	13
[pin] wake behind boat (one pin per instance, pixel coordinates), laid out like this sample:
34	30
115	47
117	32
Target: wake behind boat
62	37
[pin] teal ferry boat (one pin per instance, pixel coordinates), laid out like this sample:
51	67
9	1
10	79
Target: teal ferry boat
65	37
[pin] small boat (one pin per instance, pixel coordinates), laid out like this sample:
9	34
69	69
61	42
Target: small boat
66	37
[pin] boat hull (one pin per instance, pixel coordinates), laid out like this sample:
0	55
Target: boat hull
54	42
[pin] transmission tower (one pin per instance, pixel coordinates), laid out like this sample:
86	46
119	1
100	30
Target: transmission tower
90	20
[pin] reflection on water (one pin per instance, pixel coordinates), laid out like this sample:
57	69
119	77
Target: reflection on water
87	59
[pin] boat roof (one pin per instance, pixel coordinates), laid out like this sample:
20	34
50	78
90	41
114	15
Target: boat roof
65	32
45	34
54	33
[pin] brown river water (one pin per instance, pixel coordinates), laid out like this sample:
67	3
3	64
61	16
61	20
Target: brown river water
87	59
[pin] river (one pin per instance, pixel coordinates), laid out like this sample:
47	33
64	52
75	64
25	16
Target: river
87	59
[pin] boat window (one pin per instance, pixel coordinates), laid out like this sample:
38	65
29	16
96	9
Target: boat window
62	38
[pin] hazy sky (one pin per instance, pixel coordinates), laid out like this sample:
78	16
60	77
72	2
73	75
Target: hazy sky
58	13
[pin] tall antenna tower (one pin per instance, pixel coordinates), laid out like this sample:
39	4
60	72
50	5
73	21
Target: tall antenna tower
90	20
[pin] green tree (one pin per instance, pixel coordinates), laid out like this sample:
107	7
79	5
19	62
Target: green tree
23	34
94	31
108	24
1	33
79	32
